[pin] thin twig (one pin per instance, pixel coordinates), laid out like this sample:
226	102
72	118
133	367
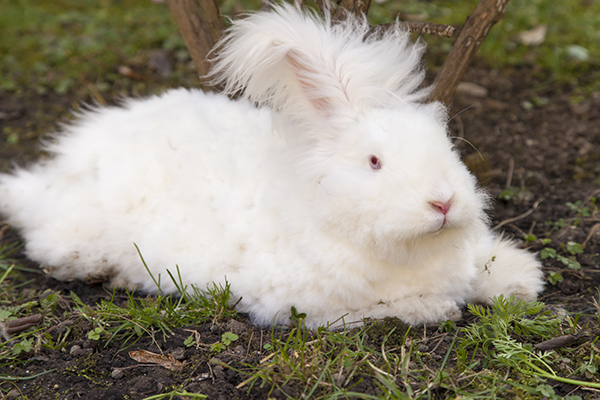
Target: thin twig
249	343
516	228
519	217
438	344
591	196
589	236
509	175
531	228
557	342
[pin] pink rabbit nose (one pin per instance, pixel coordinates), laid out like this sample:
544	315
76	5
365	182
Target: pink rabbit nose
440	206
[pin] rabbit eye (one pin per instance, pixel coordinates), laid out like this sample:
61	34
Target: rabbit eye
375	163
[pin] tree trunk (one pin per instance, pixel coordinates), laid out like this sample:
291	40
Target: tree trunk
201	25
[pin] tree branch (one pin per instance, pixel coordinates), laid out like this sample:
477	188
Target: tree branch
428	28
476	28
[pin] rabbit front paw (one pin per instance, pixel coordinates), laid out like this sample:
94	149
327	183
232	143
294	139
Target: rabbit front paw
427	309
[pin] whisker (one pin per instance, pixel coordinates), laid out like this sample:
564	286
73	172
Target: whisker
472	145
461	111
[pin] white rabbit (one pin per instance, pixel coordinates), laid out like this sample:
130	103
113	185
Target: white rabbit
340	195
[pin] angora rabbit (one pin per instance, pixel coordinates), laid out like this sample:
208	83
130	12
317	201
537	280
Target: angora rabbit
340	194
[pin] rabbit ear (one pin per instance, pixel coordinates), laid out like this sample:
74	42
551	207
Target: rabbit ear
301	65
266	57
322	88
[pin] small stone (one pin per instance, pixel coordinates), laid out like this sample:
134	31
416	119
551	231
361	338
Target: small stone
471	89
117	373
159	61
531	142
75	351
589	260
578	52
203	377
179	353
236	327
338	378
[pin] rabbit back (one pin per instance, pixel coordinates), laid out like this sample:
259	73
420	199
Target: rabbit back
176	174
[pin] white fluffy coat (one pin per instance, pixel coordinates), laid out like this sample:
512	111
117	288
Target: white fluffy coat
282	200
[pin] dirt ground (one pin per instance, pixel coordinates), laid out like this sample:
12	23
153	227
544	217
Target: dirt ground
539	140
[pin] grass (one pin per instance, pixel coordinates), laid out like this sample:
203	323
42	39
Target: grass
492	357
107	320
55	46
76	47
161	313
73	49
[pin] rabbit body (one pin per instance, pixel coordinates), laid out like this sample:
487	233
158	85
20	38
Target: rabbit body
339	195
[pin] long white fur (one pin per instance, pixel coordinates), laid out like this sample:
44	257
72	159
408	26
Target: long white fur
278	200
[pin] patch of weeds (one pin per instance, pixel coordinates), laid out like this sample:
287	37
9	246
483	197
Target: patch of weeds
25	317
151	314
565	253
587	210
162	313
95	333
226	339
353	363
553	226
175	394
494	359
506	318
570	260
313	363
555	277
515	194
501	333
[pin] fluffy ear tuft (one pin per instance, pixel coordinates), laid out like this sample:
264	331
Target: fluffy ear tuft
300	64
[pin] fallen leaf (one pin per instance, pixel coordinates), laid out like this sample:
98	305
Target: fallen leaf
130	73
148	357
533	37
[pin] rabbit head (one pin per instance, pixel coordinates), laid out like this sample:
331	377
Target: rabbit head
349	104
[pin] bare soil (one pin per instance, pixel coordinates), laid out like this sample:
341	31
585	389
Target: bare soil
540	140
